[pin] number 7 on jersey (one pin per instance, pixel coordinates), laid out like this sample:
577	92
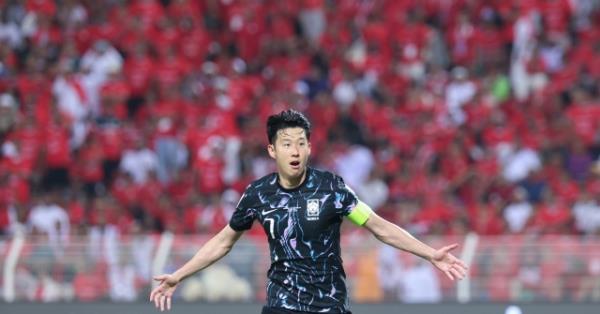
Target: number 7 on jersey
271	222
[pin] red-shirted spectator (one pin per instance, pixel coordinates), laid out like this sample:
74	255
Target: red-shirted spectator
42	7
435	213
193	216
489	43
4	215
77	212
125	190
181	188
150	11
165	35
179	9
499	132
89	165
57	153
114	94
556	15
196	45
486	218
552	215
461	39
209	165
564	187
14	188
110	30
592	185
46	33
113	139
454	164
138	69
91	284
149	193
171	69
585	117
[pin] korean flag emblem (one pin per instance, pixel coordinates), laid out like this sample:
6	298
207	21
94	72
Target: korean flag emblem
312	209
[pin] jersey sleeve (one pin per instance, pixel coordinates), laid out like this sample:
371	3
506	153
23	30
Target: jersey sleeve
356	211
360	214
244	213
345	198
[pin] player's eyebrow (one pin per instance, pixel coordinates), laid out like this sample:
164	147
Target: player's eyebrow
289	140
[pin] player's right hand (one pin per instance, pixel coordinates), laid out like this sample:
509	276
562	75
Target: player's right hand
162	294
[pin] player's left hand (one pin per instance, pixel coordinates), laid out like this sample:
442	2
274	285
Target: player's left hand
448	263
164	291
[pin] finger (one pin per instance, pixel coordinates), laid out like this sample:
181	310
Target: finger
156	301
160	277
448	274
450	247
456	273
460	270
154	292
169	303
162	303
461	263
457	262
460	266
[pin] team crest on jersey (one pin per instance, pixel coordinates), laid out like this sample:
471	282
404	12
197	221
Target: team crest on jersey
312	209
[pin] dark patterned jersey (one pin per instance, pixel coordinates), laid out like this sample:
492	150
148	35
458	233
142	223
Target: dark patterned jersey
303	228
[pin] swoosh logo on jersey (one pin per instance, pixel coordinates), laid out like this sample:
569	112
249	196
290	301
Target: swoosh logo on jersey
266	212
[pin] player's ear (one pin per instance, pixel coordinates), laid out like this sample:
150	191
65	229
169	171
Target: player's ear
309	148
271	150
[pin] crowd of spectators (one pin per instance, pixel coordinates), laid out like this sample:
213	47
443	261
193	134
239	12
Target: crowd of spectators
444	116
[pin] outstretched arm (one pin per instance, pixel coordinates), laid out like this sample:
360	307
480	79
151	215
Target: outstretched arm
212	251
399	238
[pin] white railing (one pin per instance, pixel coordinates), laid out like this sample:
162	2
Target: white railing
9	268
502	269
467	255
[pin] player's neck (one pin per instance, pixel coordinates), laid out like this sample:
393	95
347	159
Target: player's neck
291	182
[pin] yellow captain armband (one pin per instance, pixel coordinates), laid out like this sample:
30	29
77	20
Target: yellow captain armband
360	214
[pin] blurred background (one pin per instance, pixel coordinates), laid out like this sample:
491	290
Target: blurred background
129	129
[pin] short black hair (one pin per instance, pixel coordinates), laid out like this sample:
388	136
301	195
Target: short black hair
287	119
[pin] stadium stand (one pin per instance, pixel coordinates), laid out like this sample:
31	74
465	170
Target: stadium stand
448	117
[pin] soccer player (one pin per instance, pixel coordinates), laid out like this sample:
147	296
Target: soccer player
301	210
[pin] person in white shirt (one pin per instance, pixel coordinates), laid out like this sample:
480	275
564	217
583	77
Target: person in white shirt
50	219
419	283
518	161
139	162
97	64
10	32
103	236
374	192
389	272
518	212
142	249
101	59
121	279
71	96
355	165
586	212
459	92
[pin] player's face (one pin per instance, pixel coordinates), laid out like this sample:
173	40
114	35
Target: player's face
290	151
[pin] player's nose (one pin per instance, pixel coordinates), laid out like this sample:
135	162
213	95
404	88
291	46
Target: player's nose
295	150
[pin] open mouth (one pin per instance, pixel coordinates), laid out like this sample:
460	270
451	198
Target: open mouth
295	164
